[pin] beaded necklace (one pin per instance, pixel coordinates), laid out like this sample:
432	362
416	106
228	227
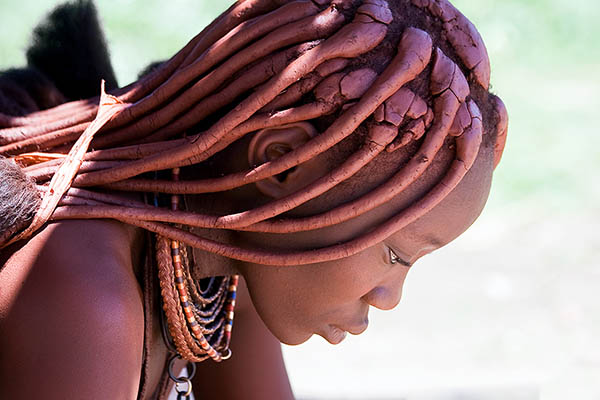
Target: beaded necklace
199	314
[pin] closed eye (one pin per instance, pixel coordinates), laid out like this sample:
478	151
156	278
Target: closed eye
395	259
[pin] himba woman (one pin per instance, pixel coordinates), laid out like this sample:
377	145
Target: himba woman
314	149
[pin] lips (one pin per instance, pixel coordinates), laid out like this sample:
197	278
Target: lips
335	334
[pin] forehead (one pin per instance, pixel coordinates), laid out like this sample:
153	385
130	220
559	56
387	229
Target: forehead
451	217
442	224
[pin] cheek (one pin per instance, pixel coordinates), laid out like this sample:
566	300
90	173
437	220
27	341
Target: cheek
282	298
293	294
295	301
329	287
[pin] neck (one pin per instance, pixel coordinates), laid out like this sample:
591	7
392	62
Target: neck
208	264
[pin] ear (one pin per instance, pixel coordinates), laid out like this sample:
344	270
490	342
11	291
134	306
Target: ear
501	129
270	144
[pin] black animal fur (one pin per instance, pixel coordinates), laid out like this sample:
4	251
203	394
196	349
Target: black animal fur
70	49
66	61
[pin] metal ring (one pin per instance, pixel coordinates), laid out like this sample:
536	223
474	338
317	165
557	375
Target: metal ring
187	392
228	355
165	332
181	379
191	372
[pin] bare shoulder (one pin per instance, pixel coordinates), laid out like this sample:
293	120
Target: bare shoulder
71	314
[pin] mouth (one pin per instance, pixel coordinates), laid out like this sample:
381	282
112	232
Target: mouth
336	334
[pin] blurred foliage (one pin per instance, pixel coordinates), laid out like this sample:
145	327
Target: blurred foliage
545	62
138	32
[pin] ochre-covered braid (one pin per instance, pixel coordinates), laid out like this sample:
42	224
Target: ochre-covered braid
266	64
185	344
204	322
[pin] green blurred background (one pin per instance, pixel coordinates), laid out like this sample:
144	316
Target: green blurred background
510	310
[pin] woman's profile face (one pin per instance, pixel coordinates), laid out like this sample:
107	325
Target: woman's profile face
332	298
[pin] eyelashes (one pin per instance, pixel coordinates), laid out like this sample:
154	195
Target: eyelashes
395	259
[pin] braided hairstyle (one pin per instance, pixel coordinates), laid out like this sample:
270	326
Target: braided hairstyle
391	83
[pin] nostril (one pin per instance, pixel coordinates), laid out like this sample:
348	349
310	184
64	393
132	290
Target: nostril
383	298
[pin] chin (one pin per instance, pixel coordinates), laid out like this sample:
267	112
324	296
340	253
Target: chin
293	340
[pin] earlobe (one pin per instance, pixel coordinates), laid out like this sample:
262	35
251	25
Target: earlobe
501	128
272	143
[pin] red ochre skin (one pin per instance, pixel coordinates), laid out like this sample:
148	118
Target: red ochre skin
318	237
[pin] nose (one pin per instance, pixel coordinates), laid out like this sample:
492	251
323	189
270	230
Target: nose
387	294
383	297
